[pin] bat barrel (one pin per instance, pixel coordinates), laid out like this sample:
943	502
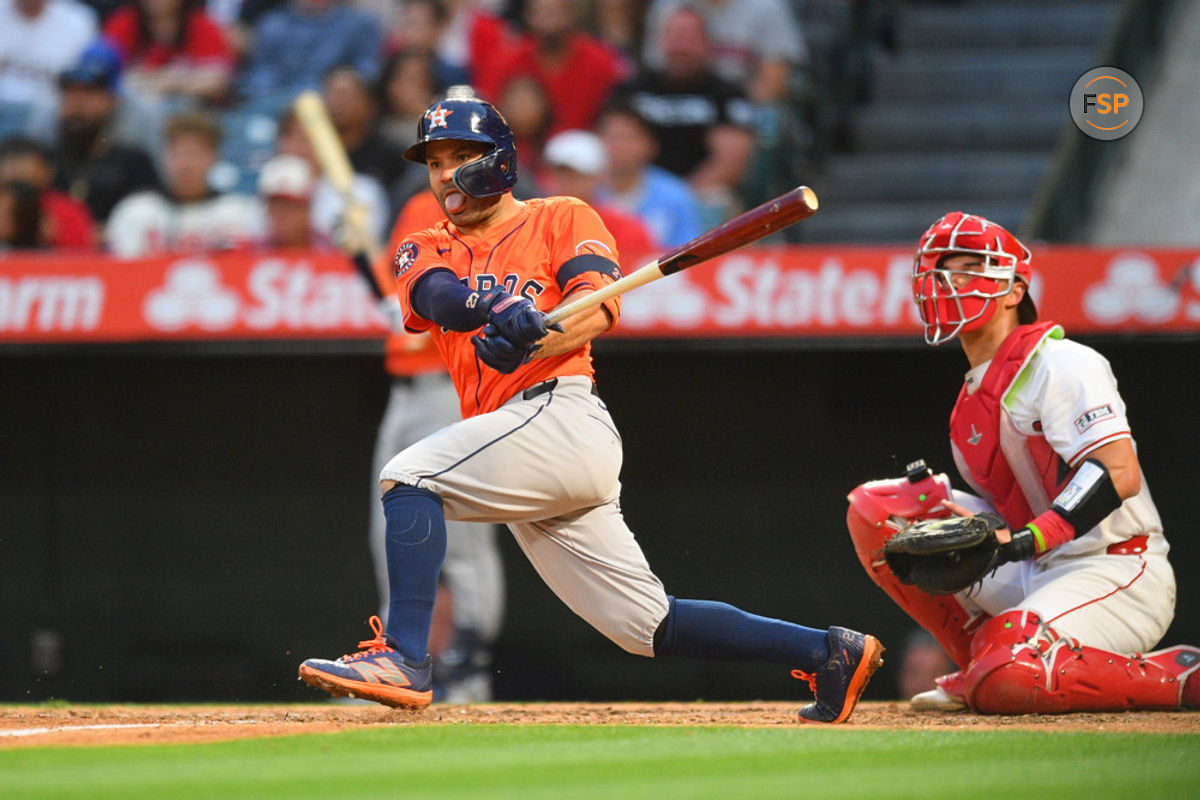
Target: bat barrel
771	216
751	226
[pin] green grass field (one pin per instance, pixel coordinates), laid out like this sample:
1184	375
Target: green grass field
541	761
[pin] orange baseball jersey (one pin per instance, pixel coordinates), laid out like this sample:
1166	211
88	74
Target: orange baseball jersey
408	355
526	255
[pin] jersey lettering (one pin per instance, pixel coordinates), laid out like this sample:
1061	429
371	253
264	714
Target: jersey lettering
526	257
530	290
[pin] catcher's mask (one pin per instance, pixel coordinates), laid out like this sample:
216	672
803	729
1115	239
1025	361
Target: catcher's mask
462	116
953	300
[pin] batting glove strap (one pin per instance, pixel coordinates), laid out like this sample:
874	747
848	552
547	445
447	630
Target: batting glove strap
516	318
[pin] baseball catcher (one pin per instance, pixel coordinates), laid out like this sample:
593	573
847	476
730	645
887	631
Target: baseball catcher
1049	593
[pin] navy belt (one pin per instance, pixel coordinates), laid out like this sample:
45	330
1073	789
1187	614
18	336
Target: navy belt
545	386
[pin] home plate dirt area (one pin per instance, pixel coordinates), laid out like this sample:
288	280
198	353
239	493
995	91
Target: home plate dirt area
40	726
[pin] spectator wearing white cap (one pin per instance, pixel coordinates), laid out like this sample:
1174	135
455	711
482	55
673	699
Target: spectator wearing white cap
285	185
576	165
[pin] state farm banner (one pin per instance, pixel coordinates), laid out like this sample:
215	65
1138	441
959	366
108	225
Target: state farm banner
755	292
867	292
216	296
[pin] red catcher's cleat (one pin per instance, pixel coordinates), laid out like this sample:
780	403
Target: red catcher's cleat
1182	662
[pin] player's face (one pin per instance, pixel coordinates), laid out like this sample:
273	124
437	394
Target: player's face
959	266
442	158
956	296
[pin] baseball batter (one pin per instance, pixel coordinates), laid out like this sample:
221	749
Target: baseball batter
537	448
1039	432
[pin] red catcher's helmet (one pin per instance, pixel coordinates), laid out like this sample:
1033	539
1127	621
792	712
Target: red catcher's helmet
963	300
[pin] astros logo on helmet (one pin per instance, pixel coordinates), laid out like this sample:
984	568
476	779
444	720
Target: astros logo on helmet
462	116
437	116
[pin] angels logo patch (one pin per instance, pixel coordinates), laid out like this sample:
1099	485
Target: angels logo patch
406	256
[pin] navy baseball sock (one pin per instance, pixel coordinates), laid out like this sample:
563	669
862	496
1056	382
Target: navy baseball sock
720	632
416	547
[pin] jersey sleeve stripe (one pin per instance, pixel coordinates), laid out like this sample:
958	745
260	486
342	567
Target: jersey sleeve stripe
1112	437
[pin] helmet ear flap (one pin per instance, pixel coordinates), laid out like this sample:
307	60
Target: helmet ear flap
492	174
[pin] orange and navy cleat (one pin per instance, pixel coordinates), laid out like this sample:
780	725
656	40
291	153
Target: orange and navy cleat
376	672
839	682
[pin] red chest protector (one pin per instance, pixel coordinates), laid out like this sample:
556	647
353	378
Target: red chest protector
975	431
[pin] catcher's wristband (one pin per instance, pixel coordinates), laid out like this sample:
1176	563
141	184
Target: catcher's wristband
1048	530
1022	547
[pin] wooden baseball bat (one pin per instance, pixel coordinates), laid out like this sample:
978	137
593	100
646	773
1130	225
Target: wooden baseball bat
310	110
772	216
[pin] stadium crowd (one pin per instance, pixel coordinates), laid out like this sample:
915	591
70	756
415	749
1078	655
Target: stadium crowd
165	126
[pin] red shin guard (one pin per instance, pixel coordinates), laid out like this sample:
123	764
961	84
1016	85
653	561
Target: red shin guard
1019	665
941	615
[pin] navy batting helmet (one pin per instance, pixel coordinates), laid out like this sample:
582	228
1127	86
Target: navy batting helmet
462	116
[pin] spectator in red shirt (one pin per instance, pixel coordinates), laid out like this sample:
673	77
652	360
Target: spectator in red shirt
578	70
172	48
66	222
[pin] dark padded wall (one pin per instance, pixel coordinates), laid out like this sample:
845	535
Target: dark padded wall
190	527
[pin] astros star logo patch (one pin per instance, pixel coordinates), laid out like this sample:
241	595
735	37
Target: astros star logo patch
437	116
405	257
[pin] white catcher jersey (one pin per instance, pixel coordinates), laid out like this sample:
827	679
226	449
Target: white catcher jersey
1068	395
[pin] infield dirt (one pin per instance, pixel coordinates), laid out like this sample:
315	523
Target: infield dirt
41	726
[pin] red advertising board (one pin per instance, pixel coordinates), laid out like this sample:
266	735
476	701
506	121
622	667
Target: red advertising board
756	292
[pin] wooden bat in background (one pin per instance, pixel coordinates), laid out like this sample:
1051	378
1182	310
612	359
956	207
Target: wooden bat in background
772	216
310	110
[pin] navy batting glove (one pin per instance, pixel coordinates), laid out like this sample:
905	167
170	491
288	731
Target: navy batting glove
516	318
499	353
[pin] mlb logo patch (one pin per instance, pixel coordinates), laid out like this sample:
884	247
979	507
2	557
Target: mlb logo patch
406	256
1092	416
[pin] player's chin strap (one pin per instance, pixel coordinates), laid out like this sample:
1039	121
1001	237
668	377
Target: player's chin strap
1082	505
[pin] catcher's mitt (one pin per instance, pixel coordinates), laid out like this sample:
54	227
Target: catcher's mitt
943	556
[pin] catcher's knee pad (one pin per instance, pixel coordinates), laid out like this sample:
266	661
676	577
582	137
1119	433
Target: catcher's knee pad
877	511
1007	667
1020	665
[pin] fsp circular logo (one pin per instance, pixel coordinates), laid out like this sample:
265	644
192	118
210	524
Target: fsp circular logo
1106	103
